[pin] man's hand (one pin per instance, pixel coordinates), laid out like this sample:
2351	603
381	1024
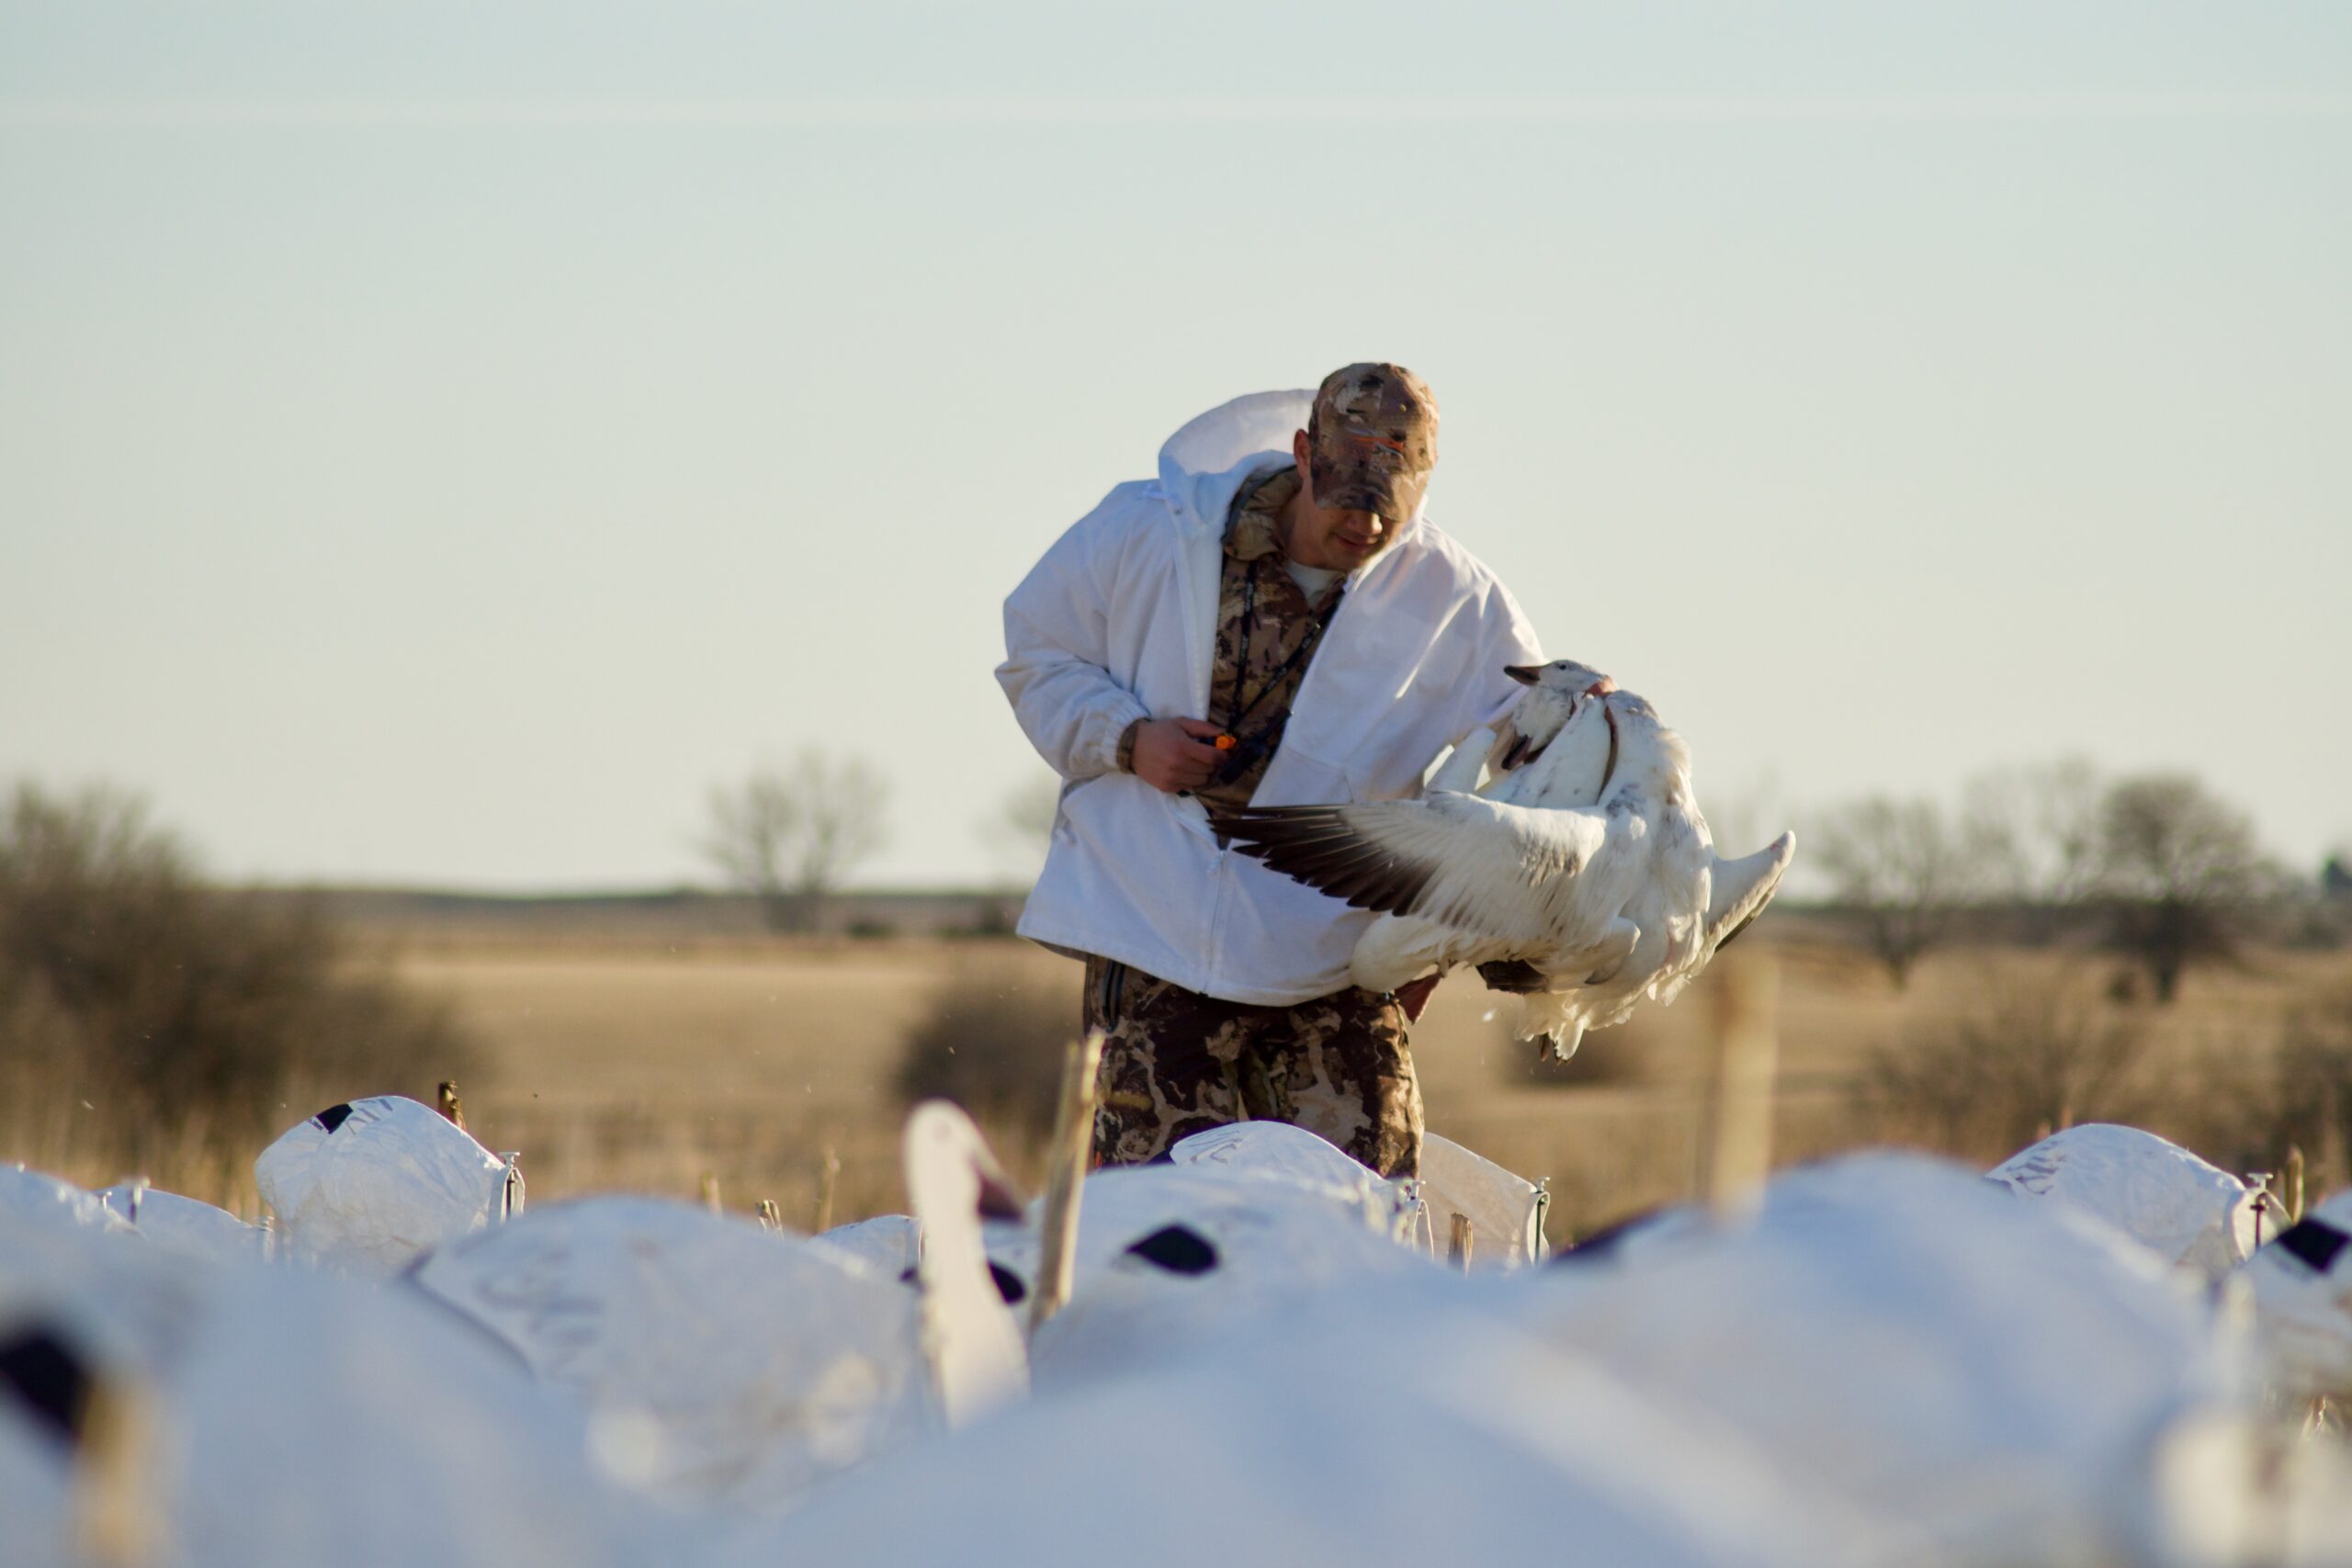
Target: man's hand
1174	754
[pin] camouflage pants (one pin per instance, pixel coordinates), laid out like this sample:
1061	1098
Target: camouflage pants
1176	1063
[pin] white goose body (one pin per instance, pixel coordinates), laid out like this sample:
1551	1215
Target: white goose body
1241	1222
1590	863
372	1185
741	1366
2302	1295
2187	1211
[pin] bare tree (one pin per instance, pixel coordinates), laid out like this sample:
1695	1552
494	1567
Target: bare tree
2035	830
1902	868
788	837
2179	871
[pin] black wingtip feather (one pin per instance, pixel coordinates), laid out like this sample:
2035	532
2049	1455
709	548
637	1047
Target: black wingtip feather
1314	844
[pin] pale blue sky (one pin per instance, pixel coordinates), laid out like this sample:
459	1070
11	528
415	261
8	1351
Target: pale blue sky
437	442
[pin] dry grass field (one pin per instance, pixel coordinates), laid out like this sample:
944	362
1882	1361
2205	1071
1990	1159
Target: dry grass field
646	1065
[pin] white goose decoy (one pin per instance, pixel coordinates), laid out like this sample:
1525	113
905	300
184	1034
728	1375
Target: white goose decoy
2001	1374
129	1302
51	1203
728	1363
1590	863
318	1418
186	1225
1505	1210
88	1310
723	1363
888	1242
374	1184
2302	1303
2154	1191
240	1414
1238	1225
974	1348
1285	1152
1382	1423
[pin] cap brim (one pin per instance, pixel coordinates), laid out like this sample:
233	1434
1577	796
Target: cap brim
1391	497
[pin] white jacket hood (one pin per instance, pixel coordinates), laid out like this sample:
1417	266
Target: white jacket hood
1116	623
1204	465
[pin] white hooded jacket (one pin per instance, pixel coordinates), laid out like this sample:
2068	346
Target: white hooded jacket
1116	623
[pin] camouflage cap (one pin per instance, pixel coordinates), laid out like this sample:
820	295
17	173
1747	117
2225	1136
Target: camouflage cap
1373	440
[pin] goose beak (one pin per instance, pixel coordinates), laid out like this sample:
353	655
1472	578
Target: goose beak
1601	687
998	1199
1525	674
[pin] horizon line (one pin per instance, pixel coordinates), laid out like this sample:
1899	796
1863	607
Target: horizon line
787	113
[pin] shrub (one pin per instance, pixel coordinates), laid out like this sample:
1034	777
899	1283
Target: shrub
2251	1109
992	1041
2314	1091
131	987
2030	1054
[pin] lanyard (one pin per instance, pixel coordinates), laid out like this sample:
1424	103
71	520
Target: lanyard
1304	651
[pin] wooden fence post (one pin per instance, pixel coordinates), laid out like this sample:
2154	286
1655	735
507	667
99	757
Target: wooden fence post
828	1176
1738	1148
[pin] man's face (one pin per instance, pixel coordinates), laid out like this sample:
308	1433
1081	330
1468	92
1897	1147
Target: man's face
1332	540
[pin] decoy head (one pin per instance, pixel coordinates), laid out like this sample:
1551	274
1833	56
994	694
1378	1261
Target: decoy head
950	1164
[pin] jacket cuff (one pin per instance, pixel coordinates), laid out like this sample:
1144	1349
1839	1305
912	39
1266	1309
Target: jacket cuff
1127	746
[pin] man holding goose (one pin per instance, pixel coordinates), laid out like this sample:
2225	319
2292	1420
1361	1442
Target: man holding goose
1213	659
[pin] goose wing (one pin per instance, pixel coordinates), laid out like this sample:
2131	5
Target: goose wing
1501	870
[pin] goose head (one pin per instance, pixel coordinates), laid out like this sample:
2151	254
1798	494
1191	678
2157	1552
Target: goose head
1555	693
971	1340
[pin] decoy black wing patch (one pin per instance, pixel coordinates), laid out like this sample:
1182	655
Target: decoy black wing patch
1179	1249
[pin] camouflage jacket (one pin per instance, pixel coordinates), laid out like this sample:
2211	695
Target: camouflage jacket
1265	623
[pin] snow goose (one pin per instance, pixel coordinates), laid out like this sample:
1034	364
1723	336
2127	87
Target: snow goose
2303	1301
1542	710
2154	1191
2003	1374
728	1363
373	1184
1590	863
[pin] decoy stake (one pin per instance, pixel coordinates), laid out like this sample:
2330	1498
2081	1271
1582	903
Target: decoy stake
1073	1143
